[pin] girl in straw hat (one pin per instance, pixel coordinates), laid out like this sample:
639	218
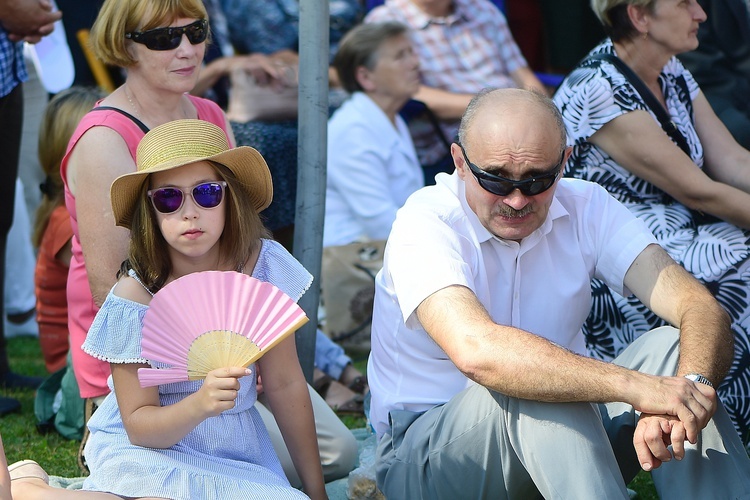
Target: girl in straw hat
191	206
161	44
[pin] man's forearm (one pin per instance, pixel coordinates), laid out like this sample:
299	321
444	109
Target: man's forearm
672	293
706	340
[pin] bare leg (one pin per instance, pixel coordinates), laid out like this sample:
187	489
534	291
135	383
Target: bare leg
4	476
36	489
30	488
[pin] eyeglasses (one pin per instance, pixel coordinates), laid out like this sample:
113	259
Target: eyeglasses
168	200
170	38
502	186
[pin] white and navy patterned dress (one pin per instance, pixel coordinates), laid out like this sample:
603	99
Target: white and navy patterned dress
226	456
715	252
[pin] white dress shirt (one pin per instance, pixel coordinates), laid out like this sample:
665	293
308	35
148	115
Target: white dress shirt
541	285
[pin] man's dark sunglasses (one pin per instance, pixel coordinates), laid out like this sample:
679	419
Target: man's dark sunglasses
170	38
503	187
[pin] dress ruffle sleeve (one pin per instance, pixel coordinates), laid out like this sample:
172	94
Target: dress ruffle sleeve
277	266
115	335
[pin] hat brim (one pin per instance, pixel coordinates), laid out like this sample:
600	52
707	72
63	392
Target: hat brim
245	162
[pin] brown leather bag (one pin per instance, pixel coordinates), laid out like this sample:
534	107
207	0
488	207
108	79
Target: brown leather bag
348	290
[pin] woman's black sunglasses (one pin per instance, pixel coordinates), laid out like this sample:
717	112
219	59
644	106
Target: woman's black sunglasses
503	187
170	38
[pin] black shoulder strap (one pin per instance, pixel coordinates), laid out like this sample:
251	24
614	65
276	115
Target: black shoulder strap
135	120
648	98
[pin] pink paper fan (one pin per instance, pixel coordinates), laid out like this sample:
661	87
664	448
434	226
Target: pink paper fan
213	319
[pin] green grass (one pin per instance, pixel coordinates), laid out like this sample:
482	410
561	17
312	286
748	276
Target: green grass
57	455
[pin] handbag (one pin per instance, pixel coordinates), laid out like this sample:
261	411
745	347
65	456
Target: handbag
249	101
348	291
58	404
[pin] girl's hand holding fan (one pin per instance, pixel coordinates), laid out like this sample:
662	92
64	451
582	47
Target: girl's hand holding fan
213	319
219	390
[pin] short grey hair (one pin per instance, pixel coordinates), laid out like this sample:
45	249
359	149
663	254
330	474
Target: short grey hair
360	47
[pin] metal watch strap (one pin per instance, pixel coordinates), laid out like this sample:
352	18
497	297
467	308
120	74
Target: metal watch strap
697	377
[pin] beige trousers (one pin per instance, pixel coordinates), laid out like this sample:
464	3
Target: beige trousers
337	445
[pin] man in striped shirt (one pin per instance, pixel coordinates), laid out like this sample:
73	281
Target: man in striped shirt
464	46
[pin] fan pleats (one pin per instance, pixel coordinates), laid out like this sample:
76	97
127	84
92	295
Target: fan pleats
213	319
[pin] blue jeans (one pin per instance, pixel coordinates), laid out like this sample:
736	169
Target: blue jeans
329	356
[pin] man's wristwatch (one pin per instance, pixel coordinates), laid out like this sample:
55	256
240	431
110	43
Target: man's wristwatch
697	377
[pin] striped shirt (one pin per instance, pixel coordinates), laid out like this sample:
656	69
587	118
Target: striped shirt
464	52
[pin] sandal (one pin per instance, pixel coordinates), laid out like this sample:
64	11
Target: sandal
355	405
27	469
359	385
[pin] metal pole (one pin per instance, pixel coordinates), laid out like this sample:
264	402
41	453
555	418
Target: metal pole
311	163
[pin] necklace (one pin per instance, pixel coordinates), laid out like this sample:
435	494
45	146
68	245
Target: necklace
132	104
182	109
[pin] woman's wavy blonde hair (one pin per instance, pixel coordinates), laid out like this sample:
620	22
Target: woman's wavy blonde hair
118	17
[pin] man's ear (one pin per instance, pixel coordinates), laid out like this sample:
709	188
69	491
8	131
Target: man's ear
568	152
458	161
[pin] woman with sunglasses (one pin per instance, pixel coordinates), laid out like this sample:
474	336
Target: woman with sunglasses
160	44
192	206
640	126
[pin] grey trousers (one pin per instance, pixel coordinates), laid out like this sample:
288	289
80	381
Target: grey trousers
482	444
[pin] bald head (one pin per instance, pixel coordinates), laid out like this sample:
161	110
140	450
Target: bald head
515	135
511	114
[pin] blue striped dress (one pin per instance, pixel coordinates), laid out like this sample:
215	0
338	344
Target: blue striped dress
227	456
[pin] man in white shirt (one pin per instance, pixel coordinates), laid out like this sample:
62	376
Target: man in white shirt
479	382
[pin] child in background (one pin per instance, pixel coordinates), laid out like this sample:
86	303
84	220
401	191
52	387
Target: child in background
192	206
52	231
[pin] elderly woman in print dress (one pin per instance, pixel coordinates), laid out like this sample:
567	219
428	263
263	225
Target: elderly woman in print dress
696	200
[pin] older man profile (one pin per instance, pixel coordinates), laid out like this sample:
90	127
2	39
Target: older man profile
480	386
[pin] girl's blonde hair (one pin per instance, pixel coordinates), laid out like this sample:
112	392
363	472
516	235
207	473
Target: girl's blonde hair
60	120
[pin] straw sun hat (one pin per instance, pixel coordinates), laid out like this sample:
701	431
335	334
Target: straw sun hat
183	142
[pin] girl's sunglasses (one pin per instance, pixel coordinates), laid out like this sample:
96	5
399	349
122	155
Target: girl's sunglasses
502	186
168	200
170	38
